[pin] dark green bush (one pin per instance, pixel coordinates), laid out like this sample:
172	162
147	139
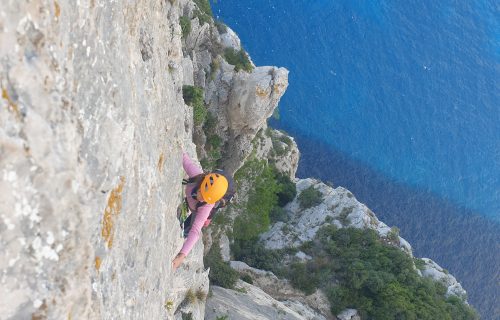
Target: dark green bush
343	216
221	274
247	278
286	139
221	27
278	214
302	278
419	263
185	26
239	59
288	189
253	253
309	198
193	96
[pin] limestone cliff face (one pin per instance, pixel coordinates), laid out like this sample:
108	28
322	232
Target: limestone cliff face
91	134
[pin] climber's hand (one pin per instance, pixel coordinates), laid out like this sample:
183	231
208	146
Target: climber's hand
179	258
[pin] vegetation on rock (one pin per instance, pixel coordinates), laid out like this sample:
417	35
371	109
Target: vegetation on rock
358	270
193	96
239	59
262	198
213	145
204	12
221	274
185	23
288	189
310	197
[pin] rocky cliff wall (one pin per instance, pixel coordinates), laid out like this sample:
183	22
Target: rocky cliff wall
91	134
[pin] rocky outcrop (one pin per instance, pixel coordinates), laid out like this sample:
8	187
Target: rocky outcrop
314	306
247	302
279	149
240	101
432	270
338	207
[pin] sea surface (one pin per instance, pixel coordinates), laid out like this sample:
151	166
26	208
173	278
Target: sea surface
399	101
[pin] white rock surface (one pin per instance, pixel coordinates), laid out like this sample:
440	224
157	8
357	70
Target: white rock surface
432	270
247	302
314	306
339	207
278	148
230	39
349	314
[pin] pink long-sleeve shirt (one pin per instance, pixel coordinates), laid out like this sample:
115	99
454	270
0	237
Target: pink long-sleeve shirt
201	214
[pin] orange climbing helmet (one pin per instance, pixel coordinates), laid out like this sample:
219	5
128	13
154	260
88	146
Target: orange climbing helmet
213	187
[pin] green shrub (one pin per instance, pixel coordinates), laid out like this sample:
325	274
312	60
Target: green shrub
204	12
309	198
204	7
278	214
262	199
393	234
190	297
221	274
199	114
302	278
286	139
288	189
419	263
221	27
210	123
247	278
344	215
253	253
239	59
193	96
185	26
214	141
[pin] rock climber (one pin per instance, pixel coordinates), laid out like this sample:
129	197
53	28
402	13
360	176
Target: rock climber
205	192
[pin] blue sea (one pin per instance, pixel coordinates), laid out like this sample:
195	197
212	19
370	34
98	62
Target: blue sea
399	101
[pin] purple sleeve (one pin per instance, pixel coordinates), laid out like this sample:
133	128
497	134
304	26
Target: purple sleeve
194	234
189	166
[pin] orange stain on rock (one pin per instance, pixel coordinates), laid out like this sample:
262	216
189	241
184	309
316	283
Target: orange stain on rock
57	9
261	92
97	263
12	106
160	162
112	210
